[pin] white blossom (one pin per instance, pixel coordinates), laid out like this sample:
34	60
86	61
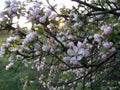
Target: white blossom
46	48
10	39
75	54
9	66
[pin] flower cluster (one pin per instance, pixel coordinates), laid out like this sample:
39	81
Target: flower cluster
14	6
34	13
37	13
74	51
30	37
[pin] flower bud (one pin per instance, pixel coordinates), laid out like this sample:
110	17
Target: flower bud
37	10
113	49
53	16
97	37
104	56
42	19
52	50
107	45
107	31
45	48
51	39
48	12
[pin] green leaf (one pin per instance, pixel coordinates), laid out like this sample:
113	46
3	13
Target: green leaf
64	12
78	86
55	22
84	62
40	30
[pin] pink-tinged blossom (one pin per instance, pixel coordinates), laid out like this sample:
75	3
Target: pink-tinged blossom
31	18
106	30
9	66
51	39
48	12
53	49
43	19
113	49
53	16
15	9
107	44
46	48
80	72
37	16
103	56
29	38
97	37
13	15
37	11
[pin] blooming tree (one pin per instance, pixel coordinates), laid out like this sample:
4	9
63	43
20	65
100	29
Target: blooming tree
78	55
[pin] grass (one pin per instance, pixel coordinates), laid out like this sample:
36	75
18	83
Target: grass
14	80
9	80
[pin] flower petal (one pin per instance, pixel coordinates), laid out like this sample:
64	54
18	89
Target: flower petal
66	59
79	58
70	52
79	44
81	51
73	58
75	62
75	49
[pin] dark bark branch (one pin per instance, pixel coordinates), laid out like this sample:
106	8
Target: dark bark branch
51	34
89	72
97	8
